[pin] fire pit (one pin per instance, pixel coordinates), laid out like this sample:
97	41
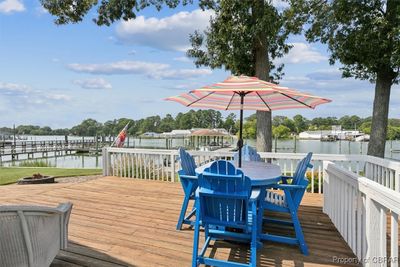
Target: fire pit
37	179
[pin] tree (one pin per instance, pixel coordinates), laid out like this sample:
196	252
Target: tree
244	37
281	132
249	127
230	123
88	127
364	37
108	11
300	123
167	124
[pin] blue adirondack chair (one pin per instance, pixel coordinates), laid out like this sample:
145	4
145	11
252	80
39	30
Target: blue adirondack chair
248	154
225	203
289	203
189	182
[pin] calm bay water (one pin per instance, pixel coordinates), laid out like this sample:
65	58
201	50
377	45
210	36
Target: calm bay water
316	146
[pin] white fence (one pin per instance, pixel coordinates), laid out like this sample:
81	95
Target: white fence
155	164
360	209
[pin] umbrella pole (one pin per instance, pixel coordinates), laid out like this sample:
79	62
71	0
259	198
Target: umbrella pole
240	142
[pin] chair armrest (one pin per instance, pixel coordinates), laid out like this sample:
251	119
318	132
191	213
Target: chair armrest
64	207
25	208
188	177
255	194
285	178
289	186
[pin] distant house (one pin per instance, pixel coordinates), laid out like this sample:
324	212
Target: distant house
333	134
314	135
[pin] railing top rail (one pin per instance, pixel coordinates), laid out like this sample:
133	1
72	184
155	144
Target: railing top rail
379	193
387	163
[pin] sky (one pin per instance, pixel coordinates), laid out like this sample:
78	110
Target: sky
60	75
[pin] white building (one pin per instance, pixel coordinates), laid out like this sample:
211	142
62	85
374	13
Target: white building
314	135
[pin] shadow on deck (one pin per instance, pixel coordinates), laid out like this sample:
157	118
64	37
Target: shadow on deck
127	222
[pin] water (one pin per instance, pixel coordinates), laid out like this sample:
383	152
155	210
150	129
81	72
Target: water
302	146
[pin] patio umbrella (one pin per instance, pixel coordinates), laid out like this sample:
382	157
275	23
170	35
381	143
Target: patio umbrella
247	93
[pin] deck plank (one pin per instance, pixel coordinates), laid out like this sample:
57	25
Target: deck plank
128	222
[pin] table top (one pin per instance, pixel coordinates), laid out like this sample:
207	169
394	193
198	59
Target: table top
260	173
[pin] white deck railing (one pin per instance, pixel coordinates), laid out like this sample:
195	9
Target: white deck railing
360	208
155	164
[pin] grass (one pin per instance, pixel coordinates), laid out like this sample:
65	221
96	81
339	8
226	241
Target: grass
35	163
9	175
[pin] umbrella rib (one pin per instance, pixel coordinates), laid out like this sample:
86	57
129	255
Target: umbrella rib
197	100
233	95
296	100
263	101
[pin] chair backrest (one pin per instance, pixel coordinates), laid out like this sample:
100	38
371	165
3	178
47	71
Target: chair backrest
301	169
223	194
187	162
299	178
248	154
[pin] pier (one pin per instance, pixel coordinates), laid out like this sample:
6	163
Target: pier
36	149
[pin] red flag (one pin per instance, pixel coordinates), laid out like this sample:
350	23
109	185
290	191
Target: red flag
119	142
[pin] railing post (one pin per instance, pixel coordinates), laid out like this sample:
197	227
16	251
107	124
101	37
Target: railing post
106	161
172	166
326	187
397	180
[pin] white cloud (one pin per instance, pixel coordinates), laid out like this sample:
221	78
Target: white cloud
279	4
11	6
302	53
21	96
182	59
40	10
95	83
120	67
169	33
58	97
10	88
149	69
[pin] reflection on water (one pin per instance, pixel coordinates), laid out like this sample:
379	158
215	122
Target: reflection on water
70	161
289	146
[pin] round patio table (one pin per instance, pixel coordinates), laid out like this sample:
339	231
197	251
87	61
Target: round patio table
260	173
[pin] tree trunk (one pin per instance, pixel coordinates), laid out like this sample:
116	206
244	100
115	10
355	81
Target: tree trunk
264	118
376	146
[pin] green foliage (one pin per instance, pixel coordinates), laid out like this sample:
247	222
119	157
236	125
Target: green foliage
281	132
88	127
108	11
250	127
213	119
362	35
10	175
236	30
393	133
35	163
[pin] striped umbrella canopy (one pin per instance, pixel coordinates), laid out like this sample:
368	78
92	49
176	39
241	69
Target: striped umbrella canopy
247	93
256	94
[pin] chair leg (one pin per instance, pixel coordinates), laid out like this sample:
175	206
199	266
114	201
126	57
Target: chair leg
299	233
196	240
254	236
183	212
296	223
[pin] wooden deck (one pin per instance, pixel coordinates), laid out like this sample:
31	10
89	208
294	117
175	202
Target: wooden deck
128	222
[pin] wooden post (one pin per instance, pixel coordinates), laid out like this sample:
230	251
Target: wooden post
172	167
97	144
106	162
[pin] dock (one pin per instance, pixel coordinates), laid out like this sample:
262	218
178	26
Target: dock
41	149
130	222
